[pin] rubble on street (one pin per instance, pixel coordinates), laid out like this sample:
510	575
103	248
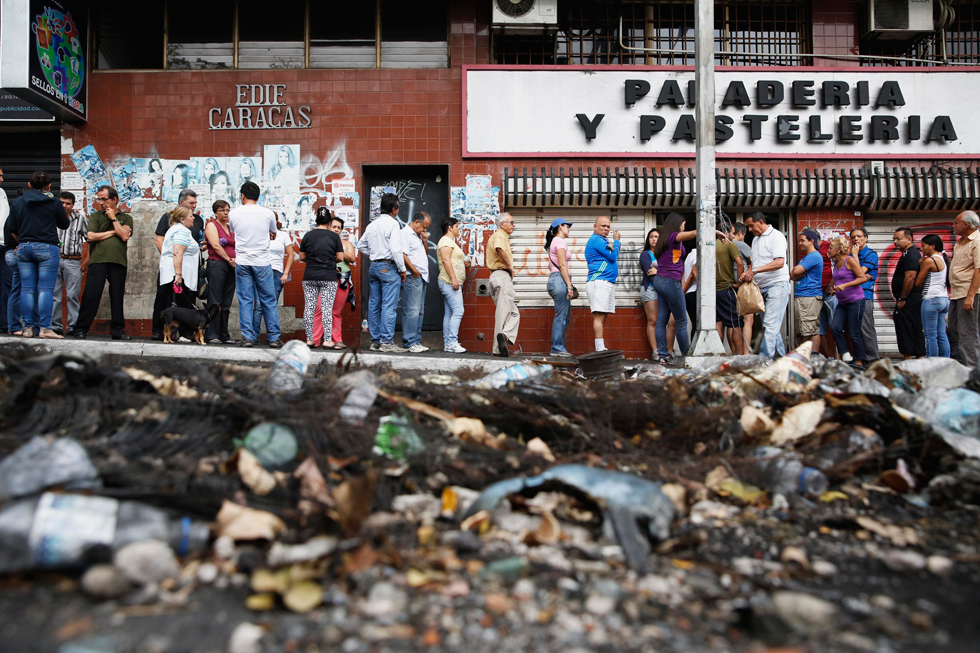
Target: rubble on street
178	505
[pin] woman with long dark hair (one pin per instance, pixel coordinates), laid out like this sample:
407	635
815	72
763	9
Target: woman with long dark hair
935	300
669	252
559	283
648	267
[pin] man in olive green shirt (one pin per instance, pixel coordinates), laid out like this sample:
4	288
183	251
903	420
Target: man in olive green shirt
109	230
729	264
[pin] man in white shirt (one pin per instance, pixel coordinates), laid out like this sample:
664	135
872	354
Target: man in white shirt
771	273
381	242
6	275
415	245
253	226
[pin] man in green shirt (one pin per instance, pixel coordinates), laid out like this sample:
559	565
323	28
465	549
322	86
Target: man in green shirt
729	268
108	232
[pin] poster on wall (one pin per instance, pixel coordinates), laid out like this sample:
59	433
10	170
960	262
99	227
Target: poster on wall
476	206
124	178
206	167
90	166
281	169
244	168
149	176
179	175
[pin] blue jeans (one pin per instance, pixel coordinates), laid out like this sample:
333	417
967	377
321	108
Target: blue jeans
386	285
827	313
670	302
776	297
6	277
14	322
252	280
563	306
452	315
413	306
934	313
38	266
257	315
852	313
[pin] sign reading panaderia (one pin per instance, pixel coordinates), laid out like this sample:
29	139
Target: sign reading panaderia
797	113
260	106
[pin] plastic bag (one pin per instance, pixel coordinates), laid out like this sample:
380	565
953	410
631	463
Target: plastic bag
750	299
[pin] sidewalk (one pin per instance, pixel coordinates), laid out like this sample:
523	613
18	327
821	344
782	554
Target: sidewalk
433	361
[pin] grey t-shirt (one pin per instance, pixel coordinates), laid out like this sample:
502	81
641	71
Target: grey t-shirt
745	251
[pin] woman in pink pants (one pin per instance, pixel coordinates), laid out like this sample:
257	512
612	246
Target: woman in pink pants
343	287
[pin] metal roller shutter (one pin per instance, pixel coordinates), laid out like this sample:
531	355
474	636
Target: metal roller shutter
21	153
880	232
531	261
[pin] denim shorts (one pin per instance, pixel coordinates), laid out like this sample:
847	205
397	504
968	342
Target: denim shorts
648	294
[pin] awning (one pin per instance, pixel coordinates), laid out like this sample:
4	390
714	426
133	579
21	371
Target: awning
675	188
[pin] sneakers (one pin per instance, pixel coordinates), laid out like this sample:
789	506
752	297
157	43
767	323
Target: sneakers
455	349
247	343
846	357
276	344
375	346
562	354
417	349
502	346
392	348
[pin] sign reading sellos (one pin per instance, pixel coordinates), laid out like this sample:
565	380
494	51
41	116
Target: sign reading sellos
798	113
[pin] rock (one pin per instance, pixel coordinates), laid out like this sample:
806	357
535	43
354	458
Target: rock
497	603
524	589
149	561
608	587
419	506
600	605
384	600
462	541
795	555
377	633
569	585
456	589
245	639
824	568
706	510
920	620
904	560
207	573
883	602
224	548
940	566
105	582
804	613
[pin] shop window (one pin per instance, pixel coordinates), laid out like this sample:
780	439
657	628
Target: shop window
962	42
747	32
343	35
119	45
412	38
200	35
271	35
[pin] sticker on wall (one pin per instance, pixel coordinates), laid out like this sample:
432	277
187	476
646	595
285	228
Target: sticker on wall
281	169
348	214
90	166
376	193
72	181
124	178
342	186
203	199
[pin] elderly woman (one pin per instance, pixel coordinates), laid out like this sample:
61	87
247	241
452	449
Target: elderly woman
320	248
452	274
221	271
850	298
179	258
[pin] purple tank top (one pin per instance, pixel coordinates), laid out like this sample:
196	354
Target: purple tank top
841	276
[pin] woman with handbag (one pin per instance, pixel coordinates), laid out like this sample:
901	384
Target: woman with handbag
850	298
669	253
221	271
559	283
179	257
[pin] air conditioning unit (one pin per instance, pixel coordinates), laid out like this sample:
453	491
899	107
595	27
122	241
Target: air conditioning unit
523	14
899	19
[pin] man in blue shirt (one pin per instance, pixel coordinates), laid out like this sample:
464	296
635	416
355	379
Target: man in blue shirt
869	265
603	271
808	274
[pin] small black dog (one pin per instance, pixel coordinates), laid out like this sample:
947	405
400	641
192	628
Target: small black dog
196	319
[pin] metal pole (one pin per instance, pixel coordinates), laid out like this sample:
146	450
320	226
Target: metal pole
705	341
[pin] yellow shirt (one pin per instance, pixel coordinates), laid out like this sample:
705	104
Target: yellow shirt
501	239
966	259
455	256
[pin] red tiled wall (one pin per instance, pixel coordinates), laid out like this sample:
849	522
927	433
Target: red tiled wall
835	31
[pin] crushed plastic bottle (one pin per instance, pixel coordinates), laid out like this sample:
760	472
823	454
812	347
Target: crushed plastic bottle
514	374
396	438
362	387
783	472
56	531
272	444
364	326
43	463
290	368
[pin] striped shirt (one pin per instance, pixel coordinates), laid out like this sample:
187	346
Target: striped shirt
76	235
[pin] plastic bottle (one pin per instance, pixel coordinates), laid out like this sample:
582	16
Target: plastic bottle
363	386
289	369
784	473
55	531
364	326
396	438
41	463
514	374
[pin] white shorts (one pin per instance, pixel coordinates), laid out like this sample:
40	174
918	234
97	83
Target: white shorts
602	296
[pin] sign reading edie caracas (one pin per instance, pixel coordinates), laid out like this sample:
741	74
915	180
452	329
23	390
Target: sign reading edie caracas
797	113
260	106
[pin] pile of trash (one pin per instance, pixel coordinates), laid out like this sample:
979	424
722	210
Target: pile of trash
747	503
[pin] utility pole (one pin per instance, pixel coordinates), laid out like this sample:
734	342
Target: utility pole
705	341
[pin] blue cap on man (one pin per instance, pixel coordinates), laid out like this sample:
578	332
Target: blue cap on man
557	222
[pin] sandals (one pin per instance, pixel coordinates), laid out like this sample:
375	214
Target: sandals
335	346
27	333
48	333
215	341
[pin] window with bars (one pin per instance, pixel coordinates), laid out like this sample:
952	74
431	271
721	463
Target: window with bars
962	42
747	32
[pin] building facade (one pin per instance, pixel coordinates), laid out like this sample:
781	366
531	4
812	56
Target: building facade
575	109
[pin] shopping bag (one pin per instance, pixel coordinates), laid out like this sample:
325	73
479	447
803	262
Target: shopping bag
750	299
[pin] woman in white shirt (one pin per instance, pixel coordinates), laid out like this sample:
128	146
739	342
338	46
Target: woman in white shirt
281	251
180	255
